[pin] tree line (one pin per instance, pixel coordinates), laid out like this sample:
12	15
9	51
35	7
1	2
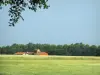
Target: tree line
77	49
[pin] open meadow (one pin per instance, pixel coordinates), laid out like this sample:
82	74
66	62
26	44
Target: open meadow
49	65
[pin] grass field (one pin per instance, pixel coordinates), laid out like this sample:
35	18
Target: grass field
48	65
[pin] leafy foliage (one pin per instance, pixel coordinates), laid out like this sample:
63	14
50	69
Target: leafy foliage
77	49
18	6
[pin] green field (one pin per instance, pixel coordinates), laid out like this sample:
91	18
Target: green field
48	65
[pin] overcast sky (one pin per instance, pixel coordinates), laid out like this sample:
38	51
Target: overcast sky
65	22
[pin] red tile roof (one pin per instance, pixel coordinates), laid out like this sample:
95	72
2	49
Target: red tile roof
43	53
20	53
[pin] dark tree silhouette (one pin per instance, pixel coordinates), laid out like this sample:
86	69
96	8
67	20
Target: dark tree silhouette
18	6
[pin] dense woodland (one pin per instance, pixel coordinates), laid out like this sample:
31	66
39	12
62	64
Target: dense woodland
77	49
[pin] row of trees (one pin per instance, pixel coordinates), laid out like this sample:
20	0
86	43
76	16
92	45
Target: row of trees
77	49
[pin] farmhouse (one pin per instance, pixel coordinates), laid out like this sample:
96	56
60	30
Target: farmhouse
43	53
36	52
20	53
24	53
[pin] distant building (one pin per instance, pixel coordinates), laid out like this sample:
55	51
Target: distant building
24	53
20	53
38	52
43	53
